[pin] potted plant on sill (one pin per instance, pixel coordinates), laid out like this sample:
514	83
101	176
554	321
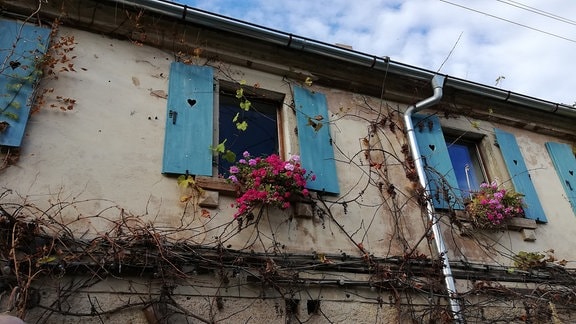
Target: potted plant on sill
490	207
267	182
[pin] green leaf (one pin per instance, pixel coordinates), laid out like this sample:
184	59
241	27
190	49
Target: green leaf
15	105
220	148
45	259
245	105
235	119
185	181
11	115
242	126
239	93
15	87
229	156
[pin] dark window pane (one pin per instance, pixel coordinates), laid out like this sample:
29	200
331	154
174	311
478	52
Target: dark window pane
261	136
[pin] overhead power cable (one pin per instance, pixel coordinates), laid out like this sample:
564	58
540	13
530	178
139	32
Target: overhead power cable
510	21
538	11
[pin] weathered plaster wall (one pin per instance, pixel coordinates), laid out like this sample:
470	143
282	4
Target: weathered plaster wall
108	151
106	156
561	226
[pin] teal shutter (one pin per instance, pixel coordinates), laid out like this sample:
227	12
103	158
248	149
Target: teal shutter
565	164
189	120
316	149
520	175
442	181
21	46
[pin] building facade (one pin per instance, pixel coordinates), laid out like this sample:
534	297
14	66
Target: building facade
123	122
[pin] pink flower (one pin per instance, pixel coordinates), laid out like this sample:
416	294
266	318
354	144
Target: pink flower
268	181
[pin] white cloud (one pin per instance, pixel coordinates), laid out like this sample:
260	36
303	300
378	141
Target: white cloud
423	32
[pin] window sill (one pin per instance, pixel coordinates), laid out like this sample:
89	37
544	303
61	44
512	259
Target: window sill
527	227
216	184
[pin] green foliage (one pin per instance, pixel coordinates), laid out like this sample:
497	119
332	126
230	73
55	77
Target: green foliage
528	260
242	126
220	148
245	104
229	156
226	154
240	93
11	115
15	105
14	87
185	183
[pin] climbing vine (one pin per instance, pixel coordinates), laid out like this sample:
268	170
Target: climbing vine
195	269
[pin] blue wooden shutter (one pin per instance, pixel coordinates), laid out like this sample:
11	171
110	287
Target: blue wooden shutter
316	149
565	164
436	159
189	120
520	175
21	47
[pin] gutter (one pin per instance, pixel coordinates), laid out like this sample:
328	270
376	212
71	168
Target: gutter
384	64
437	85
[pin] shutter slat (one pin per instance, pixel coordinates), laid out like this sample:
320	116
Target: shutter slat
565	165
316	149
436	159
520	175
19	79
189	120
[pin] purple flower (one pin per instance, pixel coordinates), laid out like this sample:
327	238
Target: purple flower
289	167
233	178
295	158
242	161
252	162
234	169
246	154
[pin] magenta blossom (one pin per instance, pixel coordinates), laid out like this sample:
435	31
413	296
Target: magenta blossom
490	207
268	181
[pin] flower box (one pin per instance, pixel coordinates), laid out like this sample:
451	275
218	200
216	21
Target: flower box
491	208
267	182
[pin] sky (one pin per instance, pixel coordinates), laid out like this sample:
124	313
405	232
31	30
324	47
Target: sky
526	46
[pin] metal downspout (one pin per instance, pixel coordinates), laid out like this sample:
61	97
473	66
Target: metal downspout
437	85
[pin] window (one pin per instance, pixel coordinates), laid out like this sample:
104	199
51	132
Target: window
20	48
467	163
565	164
190	130
260	137
454	166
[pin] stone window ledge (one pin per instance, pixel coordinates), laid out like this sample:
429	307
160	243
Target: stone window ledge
527	227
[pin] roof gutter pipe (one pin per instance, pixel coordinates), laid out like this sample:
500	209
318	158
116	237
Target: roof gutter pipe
437	85
211	20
